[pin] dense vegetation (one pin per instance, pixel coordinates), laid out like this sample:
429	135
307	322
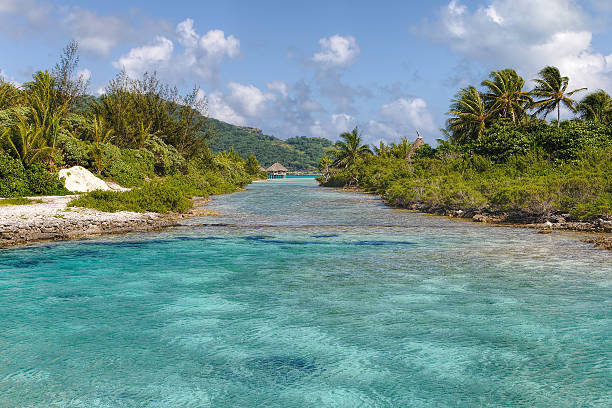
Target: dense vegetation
500	155
140	133
297	153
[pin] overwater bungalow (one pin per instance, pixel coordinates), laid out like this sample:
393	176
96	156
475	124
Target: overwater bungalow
276	170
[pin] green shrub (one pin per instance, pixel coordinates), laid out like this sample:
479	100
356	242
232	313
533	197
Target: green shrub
167	160
73	150
128	167
13	182
43	182
152	197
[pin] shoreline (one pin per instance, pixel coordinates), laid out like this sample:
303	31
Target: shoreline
600	231
53	220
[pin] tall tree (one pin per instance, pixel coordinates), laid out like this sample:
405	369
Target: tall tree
505	94
551	91
596	106
350	149
469	115
70	84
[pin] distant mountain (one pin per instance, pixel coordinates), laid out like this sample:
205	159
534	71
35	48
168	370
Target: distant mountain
297	154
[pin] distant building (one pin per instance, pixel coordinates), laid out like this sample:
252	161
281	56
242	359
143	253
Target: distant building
276	170
417	143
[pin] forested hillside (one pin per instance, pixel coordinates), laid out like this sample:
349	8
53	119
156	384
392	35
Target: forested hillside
297	154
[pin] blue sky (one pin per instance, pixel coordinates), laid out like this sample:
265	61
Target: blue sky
316	68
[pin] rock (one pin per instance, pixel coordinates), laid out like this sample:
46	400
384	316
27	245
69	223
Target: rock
479	218
79	179
545	231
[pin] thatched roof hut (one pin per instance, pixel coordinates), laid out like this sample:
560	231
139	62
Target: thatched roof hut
417	143
276	170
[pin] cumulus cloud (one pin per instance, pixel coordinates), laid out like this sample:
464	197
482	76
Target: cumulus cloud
95	33
331	126
200	57
409	114
220	109
248	99
204	54
279	87
525	35
146	58
336	52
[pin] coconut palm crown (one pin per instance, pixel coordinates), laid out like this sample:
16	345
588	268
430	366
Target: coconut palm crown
596	107
551	91
350	149
505	94
469	115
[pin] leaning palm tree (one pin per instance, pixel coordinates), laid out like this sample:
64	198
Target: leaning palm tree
596	107
469	115
505	94
324	166
350	149
551	90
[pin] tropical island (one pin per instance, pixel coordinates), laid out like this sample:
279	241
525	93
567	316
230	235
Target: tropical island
154	150
500	160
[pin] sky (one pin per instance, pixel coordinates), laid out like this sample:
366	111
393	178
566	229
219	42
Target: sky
315	68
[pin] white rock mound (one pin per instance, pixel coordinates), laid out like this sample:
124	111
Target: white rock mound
81	180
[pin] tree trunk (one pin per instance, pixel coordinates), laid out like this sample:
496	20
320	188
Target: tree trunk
558	114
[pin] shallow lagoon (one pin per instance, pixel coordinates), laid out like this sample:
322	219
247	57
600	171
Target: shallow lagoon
300	296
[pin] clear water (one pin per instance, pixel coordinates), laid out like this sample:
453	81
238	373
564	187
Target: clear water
306	297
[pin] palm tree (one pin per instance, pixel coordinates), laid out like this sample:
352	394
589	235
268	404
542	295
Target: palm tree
350	149
101	136
505	94
324	166
551	89
469	115
402	149
382	150
596	107
26	141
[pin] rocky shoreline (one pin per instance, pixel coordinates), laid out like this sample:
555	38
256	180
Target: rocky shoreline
52	220
601	228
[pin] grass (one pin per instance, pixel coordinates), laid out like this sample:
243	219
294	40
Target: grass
18	201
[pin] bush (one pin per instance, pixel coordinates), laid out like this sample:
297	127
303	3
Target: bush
167	160
43	182
128	167
73	150
153	197
13	181
16	181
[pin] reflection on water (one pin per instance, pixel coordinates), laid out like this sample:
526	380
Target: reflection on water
299	297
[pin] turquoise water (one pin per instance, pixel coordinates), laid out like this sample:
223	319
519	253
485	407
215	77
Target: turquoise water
306	297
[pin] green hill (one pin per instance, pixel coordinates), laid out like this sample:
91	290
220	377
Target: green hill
297	153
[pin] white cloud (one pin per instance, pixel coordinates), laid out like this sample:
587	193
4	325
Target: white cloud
95	33
409	114
84	73
248	99
219	109
526	35
146	58
279	87
330	127
201	56
204	54
9	79
336	52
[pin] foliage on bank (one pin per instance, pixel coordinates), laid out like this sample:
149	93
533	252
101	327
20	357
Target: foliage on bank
497	157
140	133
